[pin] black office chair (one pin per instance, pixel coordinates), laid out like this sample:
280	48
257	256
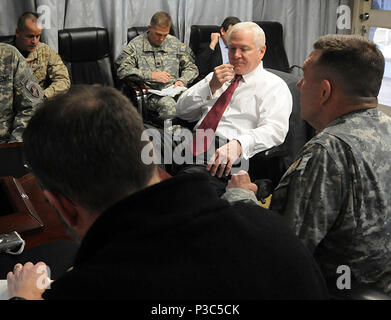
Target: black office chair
272	164
11	160
200	34
7	39
133	32
87	55
275	56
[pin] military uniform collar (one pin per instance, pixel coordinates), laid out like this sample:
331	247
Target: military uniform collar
149	47
34	55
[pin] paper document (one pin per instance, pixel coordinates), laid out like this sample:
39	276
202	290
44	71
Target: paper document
3	290
170	91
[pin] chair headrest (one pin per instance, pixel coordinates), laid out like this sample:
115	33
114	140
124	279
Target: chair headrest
201	34
273	30
275	57
133	32
83	44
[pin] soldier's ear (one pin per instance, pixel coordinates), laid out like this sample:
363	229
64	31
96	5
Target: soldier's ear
325	91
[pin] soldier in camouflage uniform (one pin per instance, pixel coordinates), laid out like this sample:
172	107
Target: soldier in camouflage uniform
47	66
19	94
159	60
335	195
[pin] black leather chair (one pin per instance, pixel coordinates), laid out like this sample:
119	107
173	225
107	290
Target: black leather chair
133	32
275	56
11	160
7	39
272	164
87	55
201	34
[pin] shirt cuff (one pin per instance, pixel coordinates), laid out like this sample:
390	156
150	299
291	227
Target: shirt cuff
245	141
205	93
238	194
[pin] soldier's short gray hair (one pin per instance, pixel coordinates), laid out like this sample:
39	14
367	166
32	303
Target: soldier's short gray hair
258	33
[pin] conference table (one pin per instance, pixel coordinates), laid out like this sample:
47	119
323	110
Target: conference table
23	206
25	209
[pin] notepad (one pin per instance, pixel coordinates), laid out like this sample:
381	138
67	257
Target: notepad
170	91
3	290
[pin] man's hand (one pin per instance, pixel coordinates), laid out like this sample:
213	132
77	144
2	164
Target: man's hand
179	84
221	75
29	281
161	76
242	180
214	39
223	159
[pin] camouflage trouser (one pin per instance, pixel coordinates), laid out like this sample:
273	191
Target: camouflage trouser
163	106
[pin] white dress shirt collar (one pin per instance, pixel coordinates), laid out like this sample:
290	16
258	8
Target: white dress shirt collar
248	76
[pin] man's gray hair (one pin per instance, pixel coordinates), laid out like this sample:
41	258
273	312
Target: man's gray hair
258	33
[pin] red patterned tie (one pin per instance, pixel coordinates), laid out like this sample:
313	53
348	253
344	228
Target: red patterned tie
205	133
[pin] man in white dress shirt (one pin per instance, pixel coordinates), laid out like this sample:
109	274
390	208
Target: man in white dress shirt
257	116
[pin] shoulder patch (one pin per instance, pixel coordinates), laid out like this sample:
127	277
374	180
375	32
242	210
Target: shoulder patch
293	166
298	165
183	47
303	163
32	87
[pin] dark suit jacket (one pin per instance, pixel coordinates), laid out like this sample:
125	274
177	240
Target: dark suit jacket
208	59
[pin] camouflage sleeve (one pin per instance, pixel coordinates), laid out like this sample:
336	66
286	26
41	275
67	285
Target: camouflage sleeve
126	65
309	195
237	194
27	96
188	69
58	75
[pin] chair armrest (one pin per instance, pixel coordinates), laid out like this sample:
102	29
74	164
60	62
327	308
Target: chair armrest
143	87
137	92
